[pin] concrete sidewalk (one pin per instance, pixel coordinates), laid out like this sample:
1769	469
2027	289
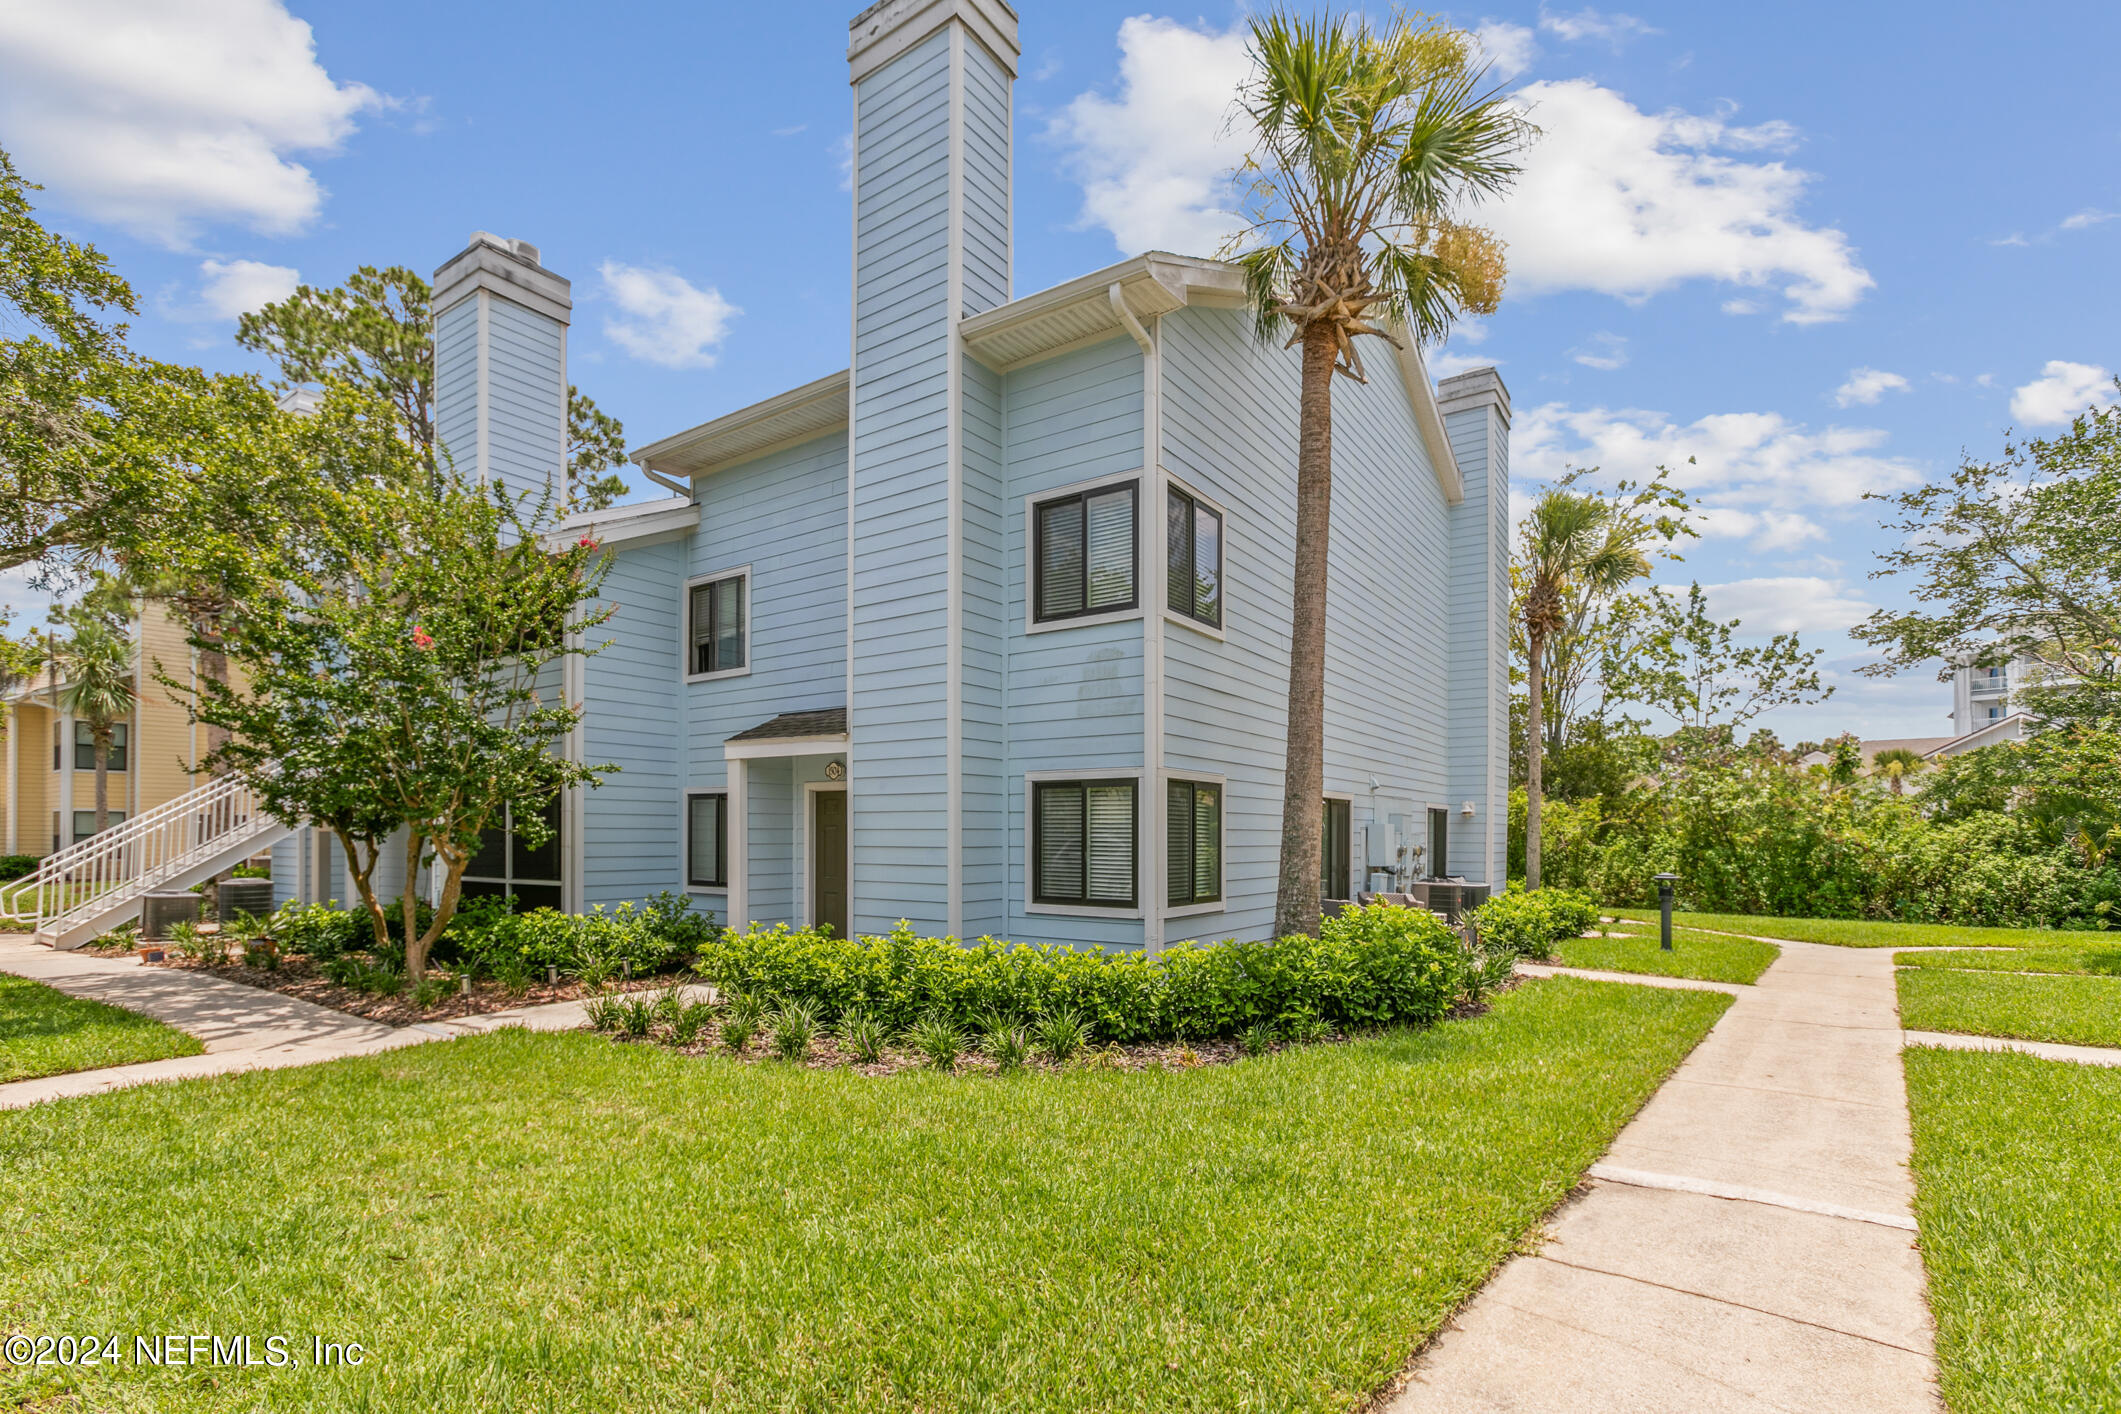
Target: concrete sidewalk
244	1028
1746	1245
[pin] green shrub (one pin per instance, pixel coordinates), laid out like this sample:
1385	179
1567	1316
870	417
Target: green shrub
791	1029
938	1039
16	866
321	930
864	1036
1374	966
1528	922
1062	1034
656	937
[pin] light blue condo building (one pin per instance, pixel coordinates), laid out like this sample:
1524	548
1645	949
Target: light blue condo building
990	631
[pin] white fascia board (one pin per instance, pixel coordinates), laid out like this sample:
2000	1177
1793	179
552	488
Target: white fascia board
1421	393
642	523
1082	310
796	415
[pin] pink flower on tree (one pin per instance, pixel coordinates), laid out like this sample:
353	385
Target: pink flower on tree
421	638
587	542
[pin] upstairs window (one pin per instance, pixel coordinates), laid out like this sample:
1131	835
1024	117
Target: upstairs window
1083	843
1194	542
1083	557
1193	839
718	625
85	747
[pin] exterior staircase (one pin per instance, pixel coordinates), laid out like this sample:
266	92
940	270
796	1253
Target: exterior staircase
94	885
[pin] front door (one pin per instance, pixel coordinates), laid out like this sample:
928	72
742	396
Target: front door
828	863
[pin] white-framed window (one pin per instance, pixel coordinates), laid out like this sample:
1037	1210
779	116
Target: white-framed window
1193	558
1335	867
85	823
85	746
1085	843
1084	552
707	840
718	624
1193	842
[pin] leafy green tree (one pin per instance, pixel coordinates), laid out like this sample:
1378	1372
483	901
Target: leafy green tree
1368	143
395	660
2016	559
1691	667
1590	546
375	334
96	671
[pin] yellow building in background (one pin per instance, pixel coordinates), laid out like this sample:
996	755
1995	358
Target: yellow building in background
51	758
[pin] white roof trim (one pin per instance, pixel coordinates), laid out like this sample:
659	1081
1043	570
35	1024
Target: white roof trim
1082	309
794	416
1959	743
1421	392
634	525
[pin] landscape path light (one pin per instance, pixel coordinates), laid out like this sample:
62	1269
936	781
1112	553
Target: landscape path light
1664	904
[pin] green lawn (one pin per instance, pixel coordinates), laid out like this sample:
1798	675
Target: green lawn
557	1222
2018	1192
1708	956
46	1032
1865	933
2092	960
2077	1011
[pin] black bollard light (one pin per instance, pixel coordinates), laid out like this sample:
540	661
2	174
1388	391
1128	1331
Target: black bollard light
1664	904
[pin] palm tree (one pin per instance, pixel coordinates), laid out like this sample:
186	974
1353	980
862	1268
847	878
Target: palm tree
97	662
1896	764
1572	542
1368	143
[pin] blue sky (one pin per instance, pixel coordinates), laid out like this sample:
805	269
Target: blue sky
1821	249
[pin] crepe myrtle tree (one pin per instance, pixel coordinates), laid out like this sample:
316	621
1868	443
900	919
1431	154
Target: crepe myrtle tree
1369	143
394	675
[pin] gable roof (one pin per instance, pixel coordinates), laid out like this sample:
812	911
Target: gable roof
1081	311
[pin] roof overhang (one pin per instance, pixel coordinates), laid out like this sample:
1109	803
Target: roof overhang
630	526
795	416
1081	312
1421	393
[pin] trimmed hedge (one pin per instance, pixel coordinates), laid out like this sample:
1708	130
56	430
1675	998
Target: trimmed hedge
659	936
1376	966
1529	923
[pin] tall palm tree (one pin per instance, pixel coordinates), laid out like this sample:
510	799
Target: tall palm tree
1572	543
1368	144
1896	764
97	662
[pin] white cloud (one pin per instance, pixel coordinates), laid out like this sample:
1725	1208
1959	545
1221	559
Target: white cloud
237	287
1758	476
1631	203
1509	49
162	116
2087	218
791	130
663	317
1612	199
1785	604
1154	158
1445	363
1614	29
1867	386
1606	353
2062	391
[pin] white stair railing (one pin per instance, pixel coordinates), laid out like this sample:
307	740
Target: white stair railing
132	858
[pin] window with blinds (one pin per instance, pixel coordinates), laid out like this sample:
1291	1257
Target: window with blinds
1193	543
1333	854
1193	840
717	625
707	841
1083	556
1083	843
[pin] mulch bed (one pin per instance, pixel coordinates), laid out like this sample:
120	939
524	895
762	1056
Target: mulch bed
299	976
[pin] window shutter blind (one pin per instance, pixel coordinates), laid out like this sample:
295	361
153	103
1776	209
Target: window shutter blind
1178	542
1109	813
1207	843
1060	552
1207	578
1178	842
1060	842
702	616
1111	548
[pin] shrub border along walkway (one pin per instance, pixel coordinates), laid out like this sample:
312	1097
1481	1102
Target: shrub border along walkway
243	1028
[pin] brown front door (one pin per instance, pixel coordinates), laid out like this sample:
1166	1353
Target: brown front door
828	863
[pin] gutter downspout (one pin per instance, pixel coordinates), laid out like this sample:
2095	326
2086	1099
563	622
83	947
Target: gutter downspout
676	487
